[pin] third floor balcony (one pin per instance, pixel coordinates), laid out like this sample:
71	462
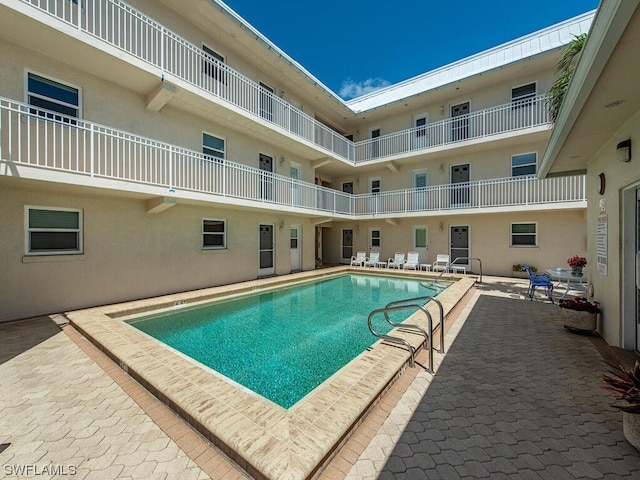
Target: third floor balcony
126	29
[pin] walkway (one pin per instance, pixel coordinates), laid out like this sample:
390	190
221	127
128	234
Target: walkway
516	396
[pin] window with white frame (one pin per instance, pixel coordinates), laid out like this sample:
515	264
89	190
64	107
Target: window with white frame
375	239
524	164
213	146
214	234
523	94
54	96
53	231
212	64
524	234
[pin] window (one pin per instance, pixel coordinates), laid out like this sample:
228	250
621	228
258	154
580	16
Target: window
211	64
523	95
213	146
524	164
374	239
53	231
214	234
375	185
54	96
524	235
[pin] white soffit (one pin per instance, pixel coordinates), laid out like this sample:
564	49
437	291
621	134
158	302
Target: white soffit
535	43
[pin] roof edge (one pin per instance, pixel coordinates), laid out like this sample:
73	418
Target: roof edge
608	26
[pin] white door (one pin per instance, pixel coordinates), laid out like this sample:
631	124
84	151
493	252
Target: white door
265	250
420	242
294	173
295	245
419	200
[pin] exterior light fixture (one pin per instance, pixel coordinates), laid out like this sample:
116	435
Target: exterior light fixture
623	150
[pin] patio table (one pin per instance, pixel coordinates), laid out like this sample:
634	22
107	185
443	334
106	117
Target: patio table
565	278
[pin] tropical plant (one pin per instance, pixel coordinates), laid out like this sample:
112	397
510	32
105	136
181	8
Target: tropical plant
565	67
626	383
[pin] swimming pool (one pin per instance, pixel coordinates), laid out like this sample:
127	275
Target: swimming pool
283	343
263	438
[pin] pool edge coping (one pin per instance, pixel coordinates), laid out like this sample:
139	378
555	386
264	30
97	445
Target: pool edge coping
308	433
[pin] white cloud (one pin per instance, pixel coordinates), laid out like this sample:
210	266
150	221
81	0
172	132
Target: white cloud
351	89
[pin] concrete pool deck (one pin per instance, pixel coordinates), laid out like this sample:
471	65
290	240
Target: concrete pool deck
65	403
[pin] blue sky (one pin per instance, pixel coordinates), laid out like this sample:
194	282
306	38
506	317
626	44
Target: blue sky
353	47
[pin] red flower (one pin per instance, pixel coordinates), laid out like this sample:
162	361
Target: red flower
577	261
581	304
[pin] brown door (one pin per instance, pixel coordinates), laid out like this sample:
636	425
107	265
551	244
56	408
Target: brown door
460	122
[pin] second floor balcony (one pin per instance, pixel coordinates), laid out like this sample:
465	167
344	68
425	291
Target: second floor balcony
40	144
129	30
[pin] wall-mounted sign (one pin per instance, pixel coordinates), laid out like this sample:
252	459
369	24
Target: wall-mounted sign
601	243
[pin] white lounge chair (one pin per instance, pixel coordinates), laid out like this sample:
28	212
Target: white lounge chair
397	261
373	260
359	259
441	264
412	262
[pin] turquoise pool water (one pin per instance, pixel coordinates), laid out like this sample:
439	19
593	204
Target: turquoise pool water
282	344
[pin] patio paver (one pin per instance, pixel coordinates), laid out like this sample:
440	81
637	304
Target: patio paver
515	396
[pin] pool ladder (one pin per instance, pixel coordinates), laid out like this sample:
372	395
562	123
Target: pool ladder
409	304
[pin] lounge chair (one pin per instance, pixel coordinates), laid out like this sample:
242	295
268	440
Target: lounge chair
397	261
441	264
359	259
412	261
539	280
373	260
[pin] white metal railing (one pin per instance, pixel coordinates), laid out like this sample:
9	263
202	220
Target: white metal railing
126	28
505	118
499	192
43	139
47	140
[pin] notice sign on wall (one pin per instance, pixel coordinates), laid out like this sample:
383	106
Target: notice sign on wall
601	243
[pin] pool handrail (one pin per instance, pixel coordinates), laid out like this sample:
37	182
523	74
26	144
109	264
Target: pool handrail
446	267
428	298
392	339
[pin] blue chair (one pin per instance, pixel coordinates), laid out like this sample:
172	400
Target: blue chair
539	280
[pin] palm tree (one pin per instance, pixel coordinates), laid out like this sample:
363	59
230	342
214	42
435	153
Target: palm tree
565	67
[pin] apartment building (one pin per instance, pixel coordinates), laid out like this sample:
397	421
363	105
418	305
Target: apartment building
155	147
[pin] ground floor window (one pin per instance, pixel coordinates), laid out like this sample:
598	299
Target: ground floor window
524	235
53	231
214	234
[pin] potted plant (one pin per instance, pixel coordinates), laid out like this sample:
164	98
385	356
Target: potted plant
579	314
577	263
518	270
626	383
